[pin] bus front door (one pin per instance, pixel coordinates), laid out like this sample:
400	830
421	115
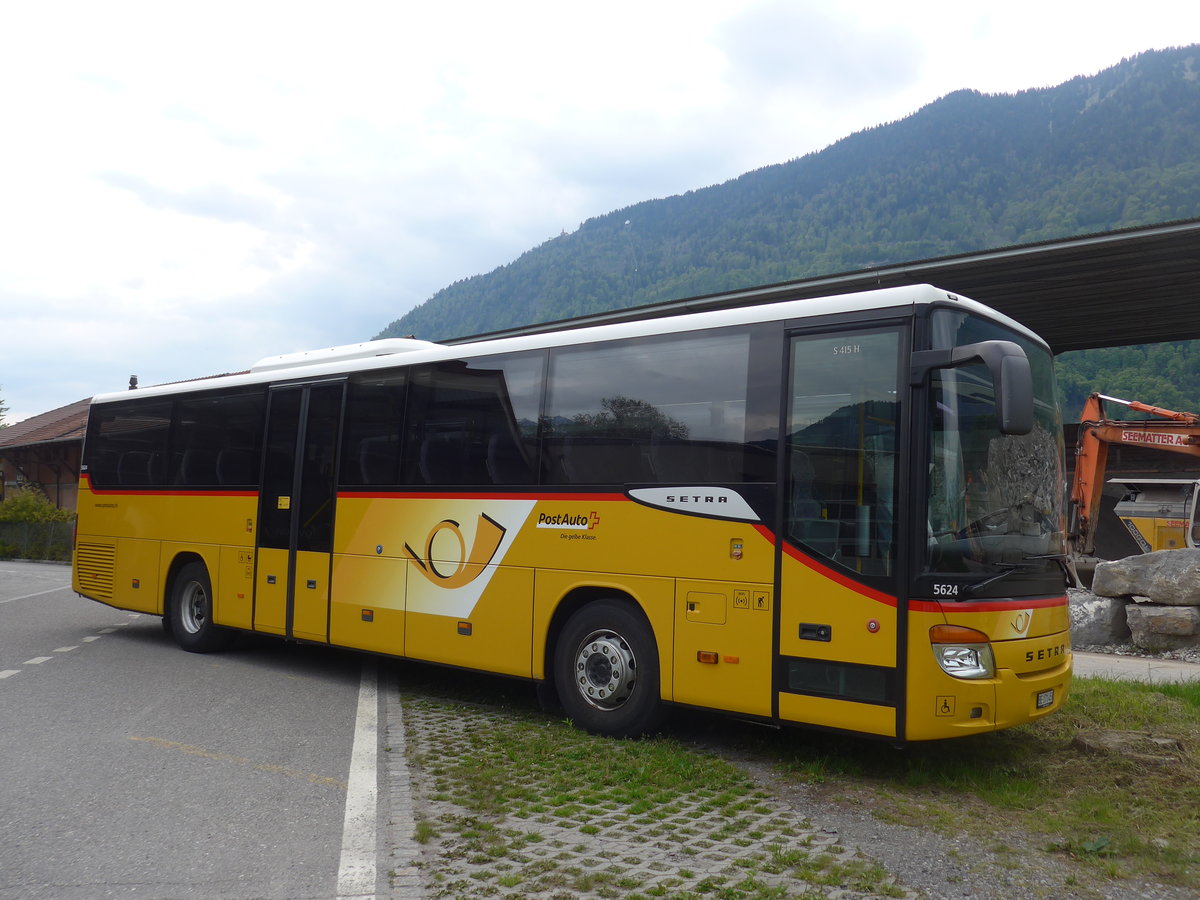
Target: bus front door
838	622
296	507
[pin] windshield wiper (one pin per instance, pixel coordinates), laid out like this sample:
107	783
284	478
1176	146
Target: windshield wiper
972	590
1066	562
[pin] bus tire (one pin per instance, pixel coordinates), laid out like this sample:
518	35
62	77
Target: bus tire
191	611
606	670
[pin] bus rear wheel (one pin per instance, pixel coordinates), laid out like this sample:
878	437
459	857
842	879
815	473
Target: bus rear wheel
606	670
190	611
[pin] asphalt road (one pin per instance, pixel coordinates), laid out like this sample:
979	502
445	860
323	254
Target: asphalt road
132	768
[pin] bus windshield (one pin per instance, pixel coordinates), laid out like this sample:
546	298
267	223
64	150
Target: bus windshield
995	501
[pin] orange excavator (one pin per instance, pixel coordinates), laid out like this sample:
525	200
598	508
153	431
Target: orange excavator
1159	513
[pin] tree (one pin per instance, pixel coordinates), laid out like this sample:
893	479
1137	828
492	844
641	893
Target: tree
629	417
28	504
3	410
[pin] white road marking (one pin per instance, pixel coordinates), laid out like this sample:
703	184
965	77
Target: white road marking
357	873
65	649
90	638
38	594
37	660
7	673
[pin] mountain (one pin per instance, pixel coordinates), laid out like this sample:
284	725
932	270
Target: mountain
967	172
1166	375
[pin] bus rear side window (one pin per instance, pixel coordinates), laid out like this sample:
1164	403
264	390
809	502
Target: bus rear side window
198	441
127	444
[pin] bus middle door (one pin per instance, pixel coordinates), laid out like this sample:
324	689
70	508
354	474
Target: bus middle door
296	507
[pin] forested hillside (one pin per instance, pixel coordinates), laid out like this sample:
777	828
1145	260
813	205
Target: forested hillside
1165	375
967	172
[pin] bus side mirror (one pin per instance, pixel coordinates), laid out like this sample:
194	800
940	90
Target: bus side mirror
1012	378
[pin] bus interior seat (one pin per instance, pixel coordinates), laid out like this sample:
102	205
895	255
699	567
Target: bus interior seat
679	461
806	517
198	466
236	467
506	462
156	468
134	467
451	459
377	462
102	470
604	460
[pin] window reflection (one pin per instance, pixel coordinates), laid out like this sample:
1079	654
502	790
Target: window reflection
841	448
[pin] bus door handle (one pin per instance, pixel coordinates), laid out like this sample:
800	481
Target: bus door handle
812	632
312	584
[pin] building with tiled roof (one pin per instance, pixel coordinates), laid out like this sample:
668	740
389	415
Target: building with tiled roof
45	450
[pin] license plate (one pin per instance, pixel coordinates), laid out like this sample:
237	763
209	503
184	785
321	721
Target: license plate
1045	699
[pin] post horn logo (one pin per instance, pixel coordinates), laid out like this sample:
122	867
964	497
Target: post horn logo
1020	622
452	572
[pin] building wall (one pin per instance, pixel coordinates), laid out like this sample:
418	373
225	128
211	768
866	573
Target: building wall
53	467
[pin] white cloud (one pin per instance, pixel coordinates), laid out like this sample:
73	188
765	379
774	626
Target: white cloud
188	189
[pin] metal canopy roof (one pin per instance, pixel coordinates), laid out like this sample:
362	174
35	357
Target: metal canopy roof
1135	286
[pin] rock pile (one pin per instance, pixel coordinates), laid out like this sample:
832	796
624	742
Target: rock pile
1161	595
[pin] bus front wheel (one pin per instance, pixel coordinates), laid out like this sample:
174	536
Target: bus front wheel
606	670
190	614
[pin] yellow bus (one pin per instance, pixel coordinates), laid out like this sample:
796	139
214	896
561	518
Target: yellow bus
844	512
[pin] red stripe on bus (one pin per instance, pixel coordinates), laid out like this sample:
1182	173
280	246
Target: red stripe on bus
1002	604
475	495
123	492
844	580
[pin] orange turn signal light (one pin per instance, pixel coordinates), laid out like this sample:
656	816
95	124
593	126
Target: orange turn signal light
708	656
956	634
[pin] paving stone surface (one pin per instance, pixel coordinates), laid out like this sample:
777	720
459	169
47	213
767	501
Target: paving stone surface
578	834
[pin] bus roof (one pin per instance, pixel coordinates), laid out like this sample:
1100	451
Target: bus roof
371	355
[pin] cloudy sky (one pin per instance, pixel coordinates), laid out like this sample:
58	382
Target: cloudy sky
186	188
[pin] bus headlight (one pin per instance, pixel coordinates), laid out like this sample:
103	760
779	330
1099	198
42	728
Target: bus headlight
962	652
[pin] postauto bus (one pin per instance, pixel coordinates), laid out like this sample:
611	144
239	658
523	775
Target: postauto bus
844	512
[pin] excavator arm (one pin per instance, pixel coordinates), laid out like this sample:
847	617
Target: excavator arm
1177	432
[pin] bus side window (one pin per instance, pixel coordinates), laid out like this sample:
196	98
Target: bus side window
126	444
374	417
215	439
474	422
664	409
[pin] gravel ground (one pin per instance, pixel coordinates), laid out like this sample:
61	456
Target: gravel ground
1188	654
942	868
960	868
